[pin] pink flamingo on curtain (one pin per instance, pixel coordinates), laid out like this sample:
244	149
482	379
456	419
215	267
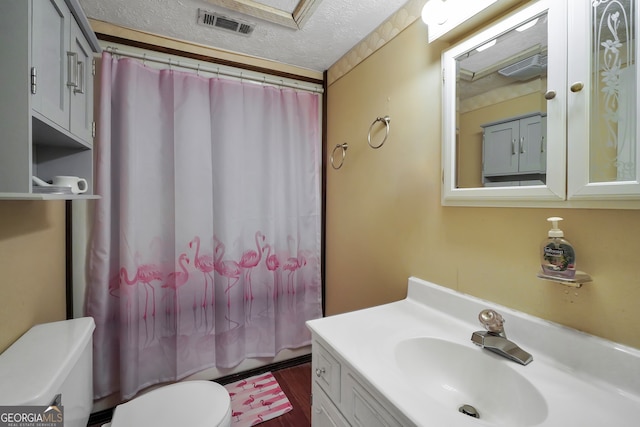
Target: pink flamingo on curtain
145	274
249	260
177	279
226	268
292	264
124	277
204	263
273	264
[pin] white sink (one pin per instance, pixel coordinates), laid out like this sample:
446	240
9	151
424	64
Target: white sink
457	375
418	355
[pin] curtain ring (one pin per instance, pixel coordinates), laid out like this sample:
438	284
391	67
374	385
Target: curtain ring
144	60
170	64
342	146
386	120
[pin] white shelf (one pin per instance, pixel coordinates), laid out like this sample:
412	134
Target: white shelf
580	278
37	196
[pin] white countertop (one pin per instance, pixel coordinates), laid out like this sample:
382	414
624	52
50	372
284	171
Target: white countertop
584	380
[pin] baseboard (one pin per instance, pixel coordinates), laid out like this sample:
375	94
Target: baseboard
267	368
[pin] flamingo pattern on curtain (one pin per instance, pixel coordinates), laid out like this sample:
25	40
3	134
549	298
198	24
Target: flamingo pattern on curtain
205	246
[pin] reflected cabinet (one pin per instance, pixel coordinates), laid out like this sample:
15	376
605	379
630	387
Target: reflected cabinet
540	109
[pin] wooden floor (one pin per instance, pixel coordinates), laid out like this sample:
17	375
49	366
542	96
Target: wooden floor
296	384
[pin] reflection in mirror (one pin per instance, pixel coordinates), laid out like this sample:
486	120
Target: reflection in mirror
613	119
501	109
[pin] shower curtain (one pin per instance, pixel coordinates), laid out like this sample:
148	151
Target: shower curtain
205	246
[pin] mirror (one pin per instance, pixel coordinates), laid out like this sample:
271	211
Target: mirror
501	111
496	115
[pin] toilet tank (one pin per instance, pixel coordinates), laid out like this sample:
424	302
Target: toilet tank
50	359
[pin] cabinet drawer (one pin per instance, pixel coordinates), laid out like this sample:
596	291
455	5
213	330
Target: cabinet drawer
326	372
363	410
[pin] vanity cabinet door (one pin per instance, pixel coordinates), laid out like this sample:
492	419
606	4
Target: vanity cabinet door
362	409
323	411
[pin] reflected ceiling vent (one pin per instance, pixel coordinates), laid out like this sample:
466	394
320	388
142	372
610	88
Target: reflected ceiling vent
227	23
526	69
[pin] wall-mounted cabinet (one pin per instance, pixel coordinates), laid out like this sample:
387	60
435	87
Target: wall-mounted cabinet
514	150
46	111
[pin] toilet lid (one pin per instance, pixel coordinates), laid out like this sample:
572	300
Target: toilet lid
189	403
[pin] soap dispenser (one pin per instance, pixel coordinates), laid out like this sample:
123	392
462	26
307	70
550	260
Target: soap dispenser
558	256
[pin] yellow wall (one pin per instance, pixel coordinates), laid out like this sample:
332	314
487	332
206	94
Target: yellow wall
32	262
385	221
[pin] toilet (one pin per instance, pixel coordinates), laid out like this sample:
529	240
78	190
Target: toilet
57	358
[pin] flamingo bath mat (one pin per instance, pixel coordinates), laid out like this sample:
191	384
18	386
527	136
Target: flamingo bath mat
256	399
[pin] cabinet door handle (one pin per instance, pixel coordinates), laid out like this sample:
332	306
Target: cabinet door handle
577	87
513	147
320	372
542	145
549	95
522	145
80	77
72	69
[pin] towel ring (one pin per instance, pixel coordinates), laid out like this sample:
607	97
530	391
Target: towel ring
342	146
386	120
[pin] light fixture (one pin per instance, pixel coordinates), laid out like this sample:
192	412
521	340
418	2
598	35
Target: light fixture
486	45
434	12
528	25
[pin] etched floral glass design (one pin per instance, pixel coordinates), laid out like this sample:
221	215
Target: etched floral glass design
613	95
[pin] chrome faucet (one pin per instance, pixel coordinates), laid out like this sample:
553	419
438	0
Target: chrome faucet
495	339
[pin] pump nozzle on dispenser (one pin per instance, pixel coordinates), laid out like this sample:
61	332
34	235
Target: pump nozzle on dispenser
555	231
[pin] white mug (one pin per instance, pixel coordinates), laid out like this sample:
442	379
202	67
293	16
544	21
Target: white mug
78	185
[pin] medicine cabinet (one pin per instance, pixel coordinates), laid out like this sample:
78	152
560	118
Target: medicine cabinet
537	61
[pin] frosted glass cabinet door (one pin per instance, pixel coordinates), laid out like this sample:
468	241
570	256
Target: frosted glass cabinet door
50	43
602	102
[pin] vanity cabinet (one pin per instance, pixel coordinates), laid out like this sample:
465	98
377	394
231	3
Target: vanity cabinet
513	148
46	111
340	396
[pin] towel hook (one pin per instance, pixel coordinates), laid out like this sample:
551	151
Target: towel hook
343	147
386	120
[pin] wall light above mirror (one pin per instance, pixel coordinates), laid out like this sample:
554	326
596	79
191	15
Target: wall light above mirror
444	15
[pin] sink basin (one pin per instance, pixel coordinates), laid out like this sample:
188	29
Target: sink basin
455	375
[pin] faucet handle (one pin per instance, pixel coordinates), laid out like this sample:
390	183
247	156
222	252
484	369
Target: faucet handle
492	321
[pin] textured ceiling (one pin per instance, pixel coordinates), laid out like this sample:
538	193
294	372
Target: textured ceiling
332	30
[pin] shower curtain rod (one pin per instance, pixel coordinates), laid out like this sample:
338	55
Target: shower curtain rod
144	57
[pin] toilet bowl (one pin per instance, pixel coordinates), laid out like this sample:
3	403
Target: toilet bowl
56	359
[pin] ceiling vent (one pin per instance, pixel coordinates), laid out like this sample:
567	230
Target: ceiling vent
217	20
526	69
